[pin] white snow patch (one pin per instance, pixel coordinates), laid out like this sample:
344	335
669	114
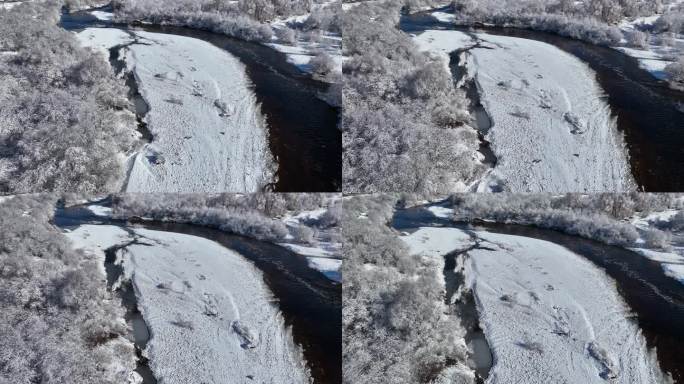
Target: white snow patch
429	241
552	129
99	210
443	17
329	267
441	212
307	250
103	39
101	15
672	263
644	222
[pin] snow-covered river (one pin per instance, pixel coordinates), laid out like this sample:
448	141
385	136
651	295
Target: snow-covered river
302	133
550	279
221	297
647	112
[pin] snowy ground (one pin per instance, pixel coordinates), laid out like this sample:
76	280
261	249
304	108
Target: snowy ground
200	299
549	315
552	130
325	254
672	260
209	134
303	49
660	50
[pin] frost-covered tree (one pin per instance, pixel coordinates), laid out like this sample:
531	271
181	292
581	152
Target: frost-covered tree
675	73
394	324
323	66
639	39
601	217
253	215
593	21
404	122
244	19
58	322
65	121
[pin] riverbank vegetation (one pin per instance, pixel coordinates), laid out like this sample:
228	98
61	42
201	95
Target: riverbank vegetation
394	322
592	20
244	19
254	215
602	217
58	322
65	121
404	123
654	27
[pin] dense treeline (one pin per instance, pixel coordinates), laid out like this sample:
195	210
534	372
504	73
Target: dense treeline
601	217
244	19
252	215
394	323
64	118
404	123
58	322
592	20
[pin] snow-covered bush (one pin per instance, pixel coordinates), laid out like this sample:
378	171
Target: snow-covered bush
322	66
303	234
675	73
601	217
393	317
592	21
670	22
638	39
286	35
75	5
253	215
403	121
328	18
58	322
244	19
65	121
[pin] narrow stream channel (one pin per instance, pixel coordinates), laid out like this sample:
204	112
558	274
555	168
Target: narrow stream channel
303	133
649	113
310	303
656	299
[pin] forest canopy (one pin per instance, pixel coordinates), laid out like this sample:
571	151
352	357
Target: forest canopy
65	120
58	323
405	125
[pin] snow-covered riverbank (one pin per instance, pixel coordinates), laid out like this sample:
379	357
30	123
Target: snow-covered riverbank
548	314
209	134
303	48
227	317
551	129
